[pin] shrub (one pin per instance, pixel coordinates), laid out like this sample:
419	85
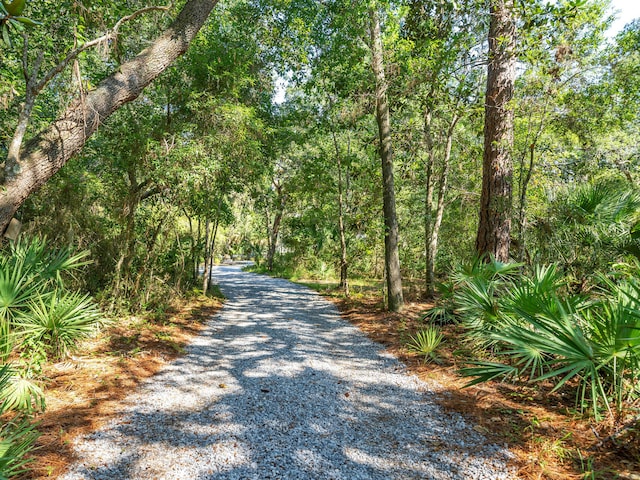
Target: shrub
540	333
58	320
35	307
425	342
17	433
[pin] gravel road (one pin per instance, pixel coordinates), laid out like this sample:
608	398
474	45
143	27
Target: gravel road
278	386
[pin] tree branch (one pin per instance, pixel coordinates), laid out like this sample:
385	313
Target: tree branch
111	35
48	151
34	87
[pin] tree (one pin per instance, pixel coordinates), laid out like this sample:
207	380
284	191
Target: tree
443	82
49	150
494	229
395	299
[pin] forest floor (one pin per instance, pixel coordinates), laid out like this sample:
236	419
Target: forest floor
549	438
87	391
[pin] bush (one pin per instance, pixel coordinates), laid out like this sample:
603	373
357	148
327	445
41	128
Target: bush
58	320
35	307
425	342
17	434
538	332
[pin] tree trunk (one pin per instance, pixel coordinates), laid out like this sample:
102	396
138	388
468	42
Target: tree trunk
428	206
344	265
209	246
192	249
205	268
494	228
213	246
274	239
392	260
48	151
442	192
522	204
130	208
275	228
196	258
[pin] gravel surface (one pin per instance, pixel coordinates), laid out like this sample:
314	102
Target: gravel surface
280	387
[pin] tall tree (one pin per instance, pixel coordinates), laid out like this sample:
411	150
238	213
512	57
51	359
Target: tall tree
494	228
444	85
395	300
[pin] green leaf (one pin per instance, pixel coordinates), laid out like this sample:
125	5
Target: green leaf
15	7
27	21
22	395
485	371
5	35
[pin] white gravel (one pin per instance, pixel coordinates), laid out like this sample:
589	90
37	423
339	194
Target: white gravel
280	387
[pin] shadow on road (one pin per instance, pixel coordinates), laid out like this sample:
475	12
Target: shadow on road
280	387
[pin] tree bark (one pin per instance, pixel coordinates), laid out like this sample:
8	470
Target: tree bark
209	246
205	268
275	228
494	228
522	204
48	151
395	299
434	229
212	249
428	204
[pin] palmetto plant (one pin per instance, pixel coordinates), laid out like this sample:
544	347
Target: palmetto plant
541	334
425	342
478	297
32	288
37	313
58	320
600	221
17	434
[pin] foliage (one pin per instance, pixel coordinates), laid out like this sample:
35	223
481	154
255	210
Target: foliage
11	19
29	273
590	226
425	342
17	434
36	310
539	332
39	317
58	320
22	394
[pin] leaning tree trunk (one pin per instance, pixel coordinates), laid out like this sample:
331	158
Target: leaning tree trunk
395	300
494	229
48	151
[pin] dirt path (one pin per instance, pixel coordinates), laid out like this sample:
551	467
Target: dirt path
278	386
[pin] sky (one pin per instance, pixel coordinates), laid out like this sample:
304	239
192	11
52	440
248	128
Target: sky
629	10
